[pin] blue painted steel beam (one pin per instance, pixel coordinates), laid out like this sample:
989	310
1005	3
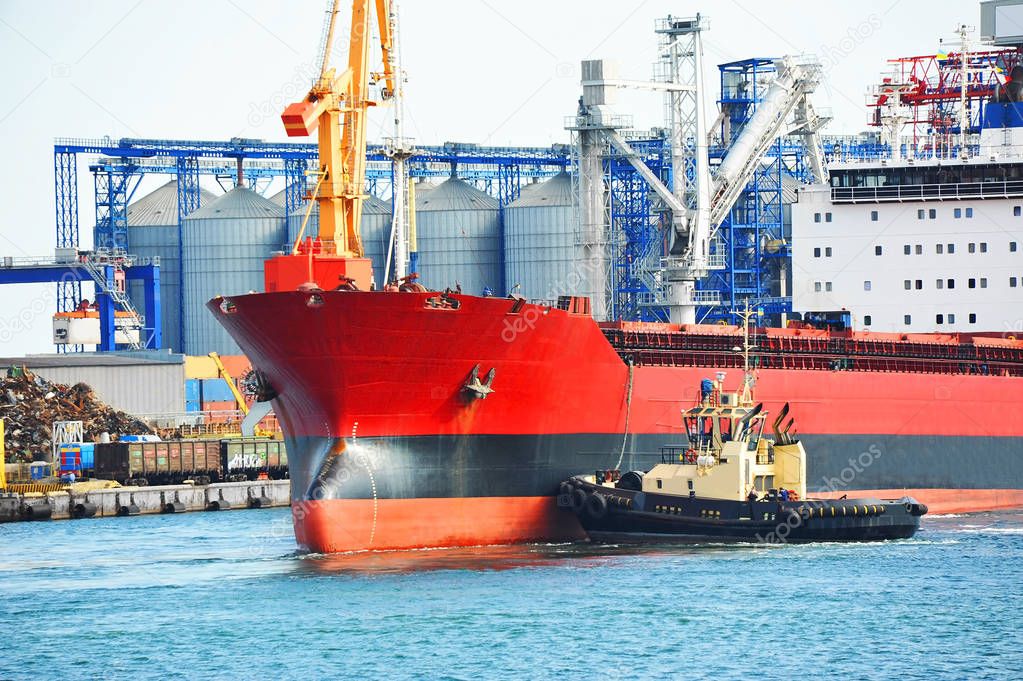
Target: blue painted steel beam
65	179
74	274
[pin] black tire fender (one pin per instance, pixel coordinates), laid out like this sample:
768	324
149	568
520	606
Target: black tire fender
596	506
578	499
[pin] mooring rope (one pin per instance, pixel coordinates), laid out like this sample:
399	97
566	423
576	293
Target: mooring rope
628	413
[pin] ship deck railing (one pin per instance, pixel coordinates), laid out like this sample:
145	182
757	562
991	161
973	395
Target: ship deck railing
730	360
928	192
831	347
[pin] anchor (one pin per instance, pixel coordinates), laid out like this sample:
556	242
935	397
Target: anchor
477	389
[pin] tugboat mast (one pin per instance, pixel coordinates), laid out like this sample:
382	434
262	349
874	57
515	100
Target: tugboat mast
748	379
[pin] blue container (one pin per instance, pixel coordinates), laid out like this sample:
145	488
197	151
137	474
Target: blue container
216	390
88	456
38	470
193	390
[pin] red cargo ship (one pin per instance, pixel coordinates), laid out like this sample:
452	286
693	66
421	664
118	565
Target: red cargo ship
422	419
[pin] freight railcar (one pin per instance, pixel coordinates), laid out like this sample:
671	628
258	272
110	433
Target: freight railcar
158	463
249	458
203	461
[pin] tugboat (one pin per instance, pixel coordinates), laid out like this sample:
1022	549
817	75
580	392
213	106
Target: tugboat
730	483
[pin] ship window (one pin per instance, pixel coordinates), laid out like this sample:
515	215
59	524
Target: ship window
939	249
877	250
827	251
816	252
907	319
919	284
957	213
971	247
906	249
973	318
969	212
951	318
983	247
1012	246
817	287
1016	211
983	282
919	249
659	484
866	320
827	217
951	248
932	213
940	284
1012	282
951	283
866	285
816	217
939	319
972	283
908	284
920	214
827	286
873	216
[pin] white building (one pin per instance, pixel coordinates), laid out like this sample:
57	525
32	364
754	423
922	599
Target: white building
924	246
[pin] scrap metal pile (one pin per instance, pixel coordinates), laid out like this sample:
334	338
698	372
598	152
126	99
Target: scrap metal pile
29	404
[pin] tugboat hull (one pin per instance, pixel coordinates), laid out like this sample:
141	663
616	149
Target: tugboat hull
621	515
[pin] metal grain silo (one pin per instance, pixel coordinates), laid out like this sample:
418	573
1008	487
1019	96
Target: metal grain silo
458	238
539	241
225	244
153	232
376	232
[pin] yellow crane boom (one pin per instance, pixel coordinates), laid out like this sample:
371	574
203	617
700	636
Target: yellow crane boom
224	374
336	107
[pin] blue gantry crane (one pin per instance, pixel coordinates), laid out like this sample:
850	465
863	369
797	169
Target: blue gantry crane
118	165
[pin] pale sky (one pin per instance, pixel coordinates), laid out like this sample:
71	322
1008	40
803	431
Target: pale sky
487	71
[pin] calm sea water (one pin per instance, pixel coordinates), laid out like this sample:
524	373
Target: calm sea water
227	596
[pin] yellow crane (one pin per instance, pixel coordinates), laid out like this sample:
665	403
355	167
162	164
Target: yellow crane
335	108
243	407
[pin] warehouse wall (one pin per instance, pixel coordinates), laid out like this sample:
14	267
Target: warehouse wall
135	388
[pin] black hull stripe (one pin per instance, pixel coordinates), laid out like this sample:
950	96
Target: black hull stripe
530	465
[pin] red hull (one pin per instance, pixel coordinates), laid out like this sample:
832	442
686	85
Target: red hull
386	368
360	524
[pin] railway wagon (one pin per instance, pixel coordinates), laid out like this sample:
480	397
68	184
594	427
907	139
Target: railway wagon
159	463
250	458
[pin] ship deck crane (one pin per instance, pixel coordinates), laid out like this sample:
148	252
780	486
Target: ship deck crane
335	108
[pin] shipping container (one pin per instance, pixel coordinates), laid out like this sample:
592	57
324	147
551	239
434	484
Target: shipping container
216	390
193	394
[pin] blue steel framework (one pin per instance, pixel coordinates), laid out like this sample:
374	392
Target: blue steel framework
497	170
757	214
636	231
72	274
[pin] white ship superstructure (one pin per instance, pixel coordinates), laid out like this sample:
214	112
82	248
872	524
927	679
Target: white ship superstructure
917	246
